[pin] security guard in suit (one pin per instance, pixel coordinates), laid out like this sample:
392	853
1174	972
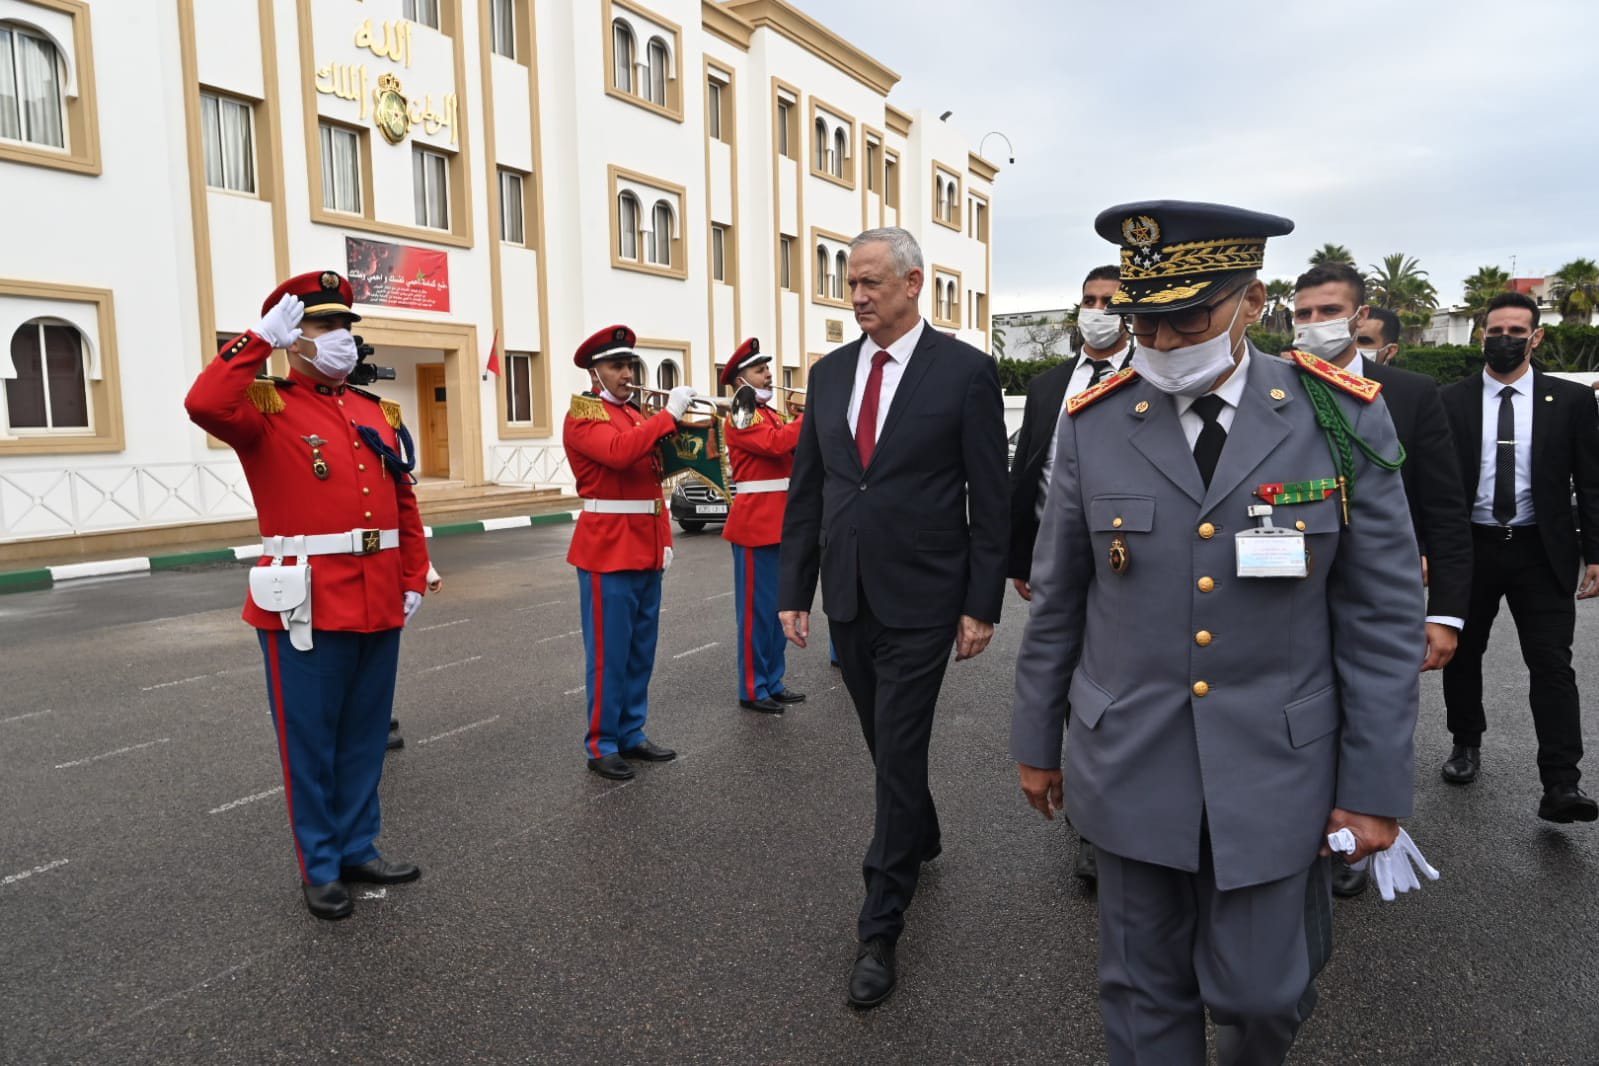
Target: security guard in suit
621	547
329	467
762	457
1219	733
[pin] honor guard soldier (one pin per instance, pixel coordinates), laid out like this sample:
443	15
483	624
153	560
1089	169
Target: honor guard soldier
329	468
762	457
622	545
1244	516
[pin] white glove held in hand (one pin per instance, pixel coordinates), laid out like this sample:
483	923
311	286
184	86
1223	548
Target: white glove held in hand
280	327
666	559
678	400
413	600
1391	868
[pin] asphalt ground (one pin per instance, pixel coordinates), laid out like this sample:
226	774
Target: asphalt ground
704	912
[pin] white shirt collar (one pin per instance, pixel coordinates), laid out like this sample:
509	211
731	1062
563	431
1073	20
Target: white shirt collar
1231	390
900	350
1493	386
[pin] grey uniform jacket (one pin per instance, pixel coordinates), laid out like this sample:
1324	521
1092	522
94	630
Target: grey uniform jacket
1310	684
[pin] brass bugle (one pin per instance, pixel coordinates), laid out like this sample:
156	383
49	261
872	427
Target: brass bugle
711	405
793	392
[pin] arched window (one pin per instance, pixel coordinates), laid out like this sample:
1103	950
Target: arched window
666	375
658	60
31	76
938	197
951	205
623	50
840	269
819	147
51	389
840	150
627	210
661	234
821	270
951	301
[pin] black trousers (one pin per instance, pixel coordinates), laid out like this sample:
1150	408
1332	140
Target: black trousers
1518	571
894	675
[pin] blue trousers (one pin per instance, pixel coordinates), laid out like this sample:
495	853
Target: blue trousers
621	619
760	634
330	709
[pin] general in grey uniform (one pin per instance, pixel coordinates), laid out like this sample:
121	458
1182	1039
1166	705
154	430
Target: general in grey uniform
1237	695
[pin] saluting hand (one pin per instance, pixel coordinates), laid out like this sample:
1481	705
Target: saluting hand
1044	789
972	637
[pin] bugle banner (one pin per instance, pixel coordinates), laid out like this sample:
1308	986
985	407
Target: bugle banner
698	451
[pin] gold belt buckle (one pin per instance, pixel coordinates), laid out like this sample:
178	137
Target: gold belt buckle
370	541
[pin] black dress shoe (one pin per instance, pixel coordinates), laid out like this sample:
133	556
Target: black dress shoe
396	742
788	695
1462	765
381	871
394	725
1086	868
330	902
872	979
1348	881
612	766
649	752
1566	803
766	706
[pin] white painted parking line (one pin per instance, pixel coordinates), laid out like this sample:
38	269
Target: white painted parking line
458	729
537	606
446	666
720	595
30	714
692	651
558	636
573	691
443	625
11	879
247	799
169	684
109	754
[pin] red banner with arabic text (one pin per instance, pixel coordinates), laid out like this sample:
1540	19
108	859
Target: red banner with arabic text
398	275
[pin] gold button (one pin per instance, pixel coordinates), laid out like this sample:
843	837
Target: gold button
1141	406
362	466
1206	531
356	443
1201	689
1202	638
341	403
1206	584
369	514
1116	523
365	491
1300	525
1278	394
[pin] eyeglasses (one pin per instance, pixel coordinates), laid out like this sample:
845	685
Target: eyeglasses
1187	321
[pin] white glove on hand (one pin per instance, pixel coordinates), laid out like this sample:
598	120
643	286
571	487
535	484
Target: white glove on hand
666	559
1391	868
678	399
280	327
413	600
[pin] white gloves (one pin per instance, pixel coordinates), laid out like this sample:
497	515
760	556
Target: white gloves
678	399
280	327
413	600
435	581
666	559
1391	868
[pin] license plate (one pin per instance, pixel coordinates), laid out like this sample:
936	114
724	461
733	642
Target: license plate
710	508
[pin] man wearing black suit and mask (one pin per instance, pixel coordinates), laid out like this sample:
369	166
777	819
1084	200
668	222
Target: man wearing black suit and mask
897	500
1107	348
1524	439
1331	320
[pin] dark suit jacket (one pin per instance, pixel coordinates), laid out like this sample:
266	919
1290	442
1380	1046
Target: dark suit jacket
1440	514
922	529
1045	395
1565	453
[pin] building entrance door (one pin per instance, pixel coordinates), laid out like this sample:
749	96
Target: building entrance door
434	415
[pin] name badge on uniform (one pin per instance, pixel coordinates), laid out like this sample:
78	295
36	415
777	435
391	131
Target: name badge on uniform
1268	551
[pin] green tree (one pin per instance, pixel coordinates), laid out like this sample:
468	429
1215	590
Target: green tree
1332	253
1484	285
1400	284
1575	290
1279	306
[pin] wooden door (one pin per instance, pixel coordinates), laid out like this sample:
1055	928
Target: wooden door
434	416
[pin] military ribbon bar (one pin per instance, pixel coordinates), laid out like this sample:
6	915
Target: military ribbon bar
1284	492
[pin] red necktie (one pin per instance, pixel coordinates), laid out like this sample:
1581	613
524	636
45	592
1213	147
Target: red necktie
866	421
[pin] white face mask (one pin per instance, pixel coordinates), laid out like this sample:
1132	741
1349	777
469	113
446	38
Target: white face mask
1374	355
1100	329
1328	339
763	395
1189	371
336	353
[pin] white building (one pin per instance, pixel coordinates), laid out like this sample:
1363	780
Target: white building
1454	325
510	173
1033	335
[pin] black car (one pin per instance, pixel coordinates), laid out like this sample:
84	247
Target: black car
694	503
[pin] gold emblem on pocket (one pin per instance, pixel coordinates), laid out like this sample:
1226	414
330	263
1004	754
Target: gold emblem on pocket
1120	557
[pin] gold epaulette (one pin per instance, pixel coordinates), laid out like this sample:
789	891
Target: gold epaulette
391	411
1104	388
1363	388
263	392
588	408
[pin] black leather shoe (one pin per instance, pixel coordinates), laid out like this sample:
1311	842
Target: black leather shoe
766	706
932	853
394	725
649	752
381	871
1567	803
1463	765
788	695
872	979
330	902
612	766
396	742
1086	868
1347	881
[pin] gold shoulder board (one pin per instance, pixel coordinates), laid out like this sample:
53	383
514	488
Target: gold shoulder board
1088	396
263	392
391	411
588	408
1363	388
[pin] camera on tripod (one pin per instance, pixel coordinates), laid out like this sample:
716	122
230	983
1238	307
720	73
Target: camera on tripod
365	373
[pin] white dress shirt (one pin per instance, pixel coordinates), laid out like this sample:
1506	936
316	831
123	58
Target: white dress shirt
1231	391
1482	509
1082	374
899	355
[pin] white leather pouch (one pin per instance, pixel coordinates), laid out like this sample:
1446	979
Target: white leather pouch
286	591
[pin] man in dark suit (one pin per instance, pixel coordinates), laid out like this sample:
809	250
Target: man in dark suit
898	499
1107	348
1523	440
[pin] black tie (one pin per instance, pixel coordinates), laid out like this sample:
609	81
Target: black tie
1208	445
1505	465
1101	369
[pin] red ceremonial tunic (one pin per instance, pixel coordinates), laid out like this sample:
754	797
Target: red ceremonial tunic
354	593
611	448
763	451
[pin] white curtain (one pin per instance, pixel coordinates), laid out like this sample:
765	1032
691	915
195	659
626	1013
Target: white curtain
661	234
511	228
41	90
438	190
237	150
212	140
341	170
628	209
504	15
657	55
622	47
10	115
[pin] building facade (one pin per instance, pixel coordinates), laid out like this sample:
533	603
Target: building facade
504	175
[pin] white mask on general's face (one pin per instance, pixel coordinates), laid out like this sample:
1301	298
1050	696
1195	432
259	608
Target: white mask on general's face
1328	339
336	353
1100	329
1189	371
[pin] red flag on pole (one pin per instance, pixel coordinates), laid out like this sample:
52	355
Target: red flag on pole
494	355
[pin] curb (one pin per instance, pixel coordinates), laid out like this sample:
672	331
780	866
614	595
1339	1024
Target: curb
46	576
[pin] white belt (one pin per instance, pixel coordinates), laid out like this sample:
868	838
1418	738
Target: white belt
776	484
355	542
622	506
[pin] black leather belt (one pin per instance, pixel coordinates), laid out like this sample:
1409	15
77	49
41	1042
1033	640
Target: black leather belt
1504	532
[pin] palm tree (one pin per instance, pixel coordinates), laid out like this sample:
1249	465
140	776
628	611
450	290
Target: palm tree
1332	253
1484	285
1576	290
1279	299
1400	285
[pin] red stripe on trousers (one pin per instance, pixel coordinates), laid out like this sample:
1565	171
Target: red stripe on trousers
596	596
749	622
283	748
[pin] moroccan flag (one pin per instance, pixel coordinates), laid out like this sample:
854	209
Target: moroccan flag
494	355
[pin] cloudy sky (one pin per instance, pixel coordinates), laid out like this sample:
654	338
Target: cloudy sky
1462	132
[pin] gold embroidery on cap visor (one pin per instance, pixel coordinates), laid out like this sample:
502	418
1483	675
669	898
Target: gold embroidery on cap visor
1179	263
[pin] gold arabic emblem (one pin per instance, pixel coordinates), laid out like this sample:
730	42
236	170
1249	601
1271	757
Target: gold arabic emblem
1141	231
392	114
